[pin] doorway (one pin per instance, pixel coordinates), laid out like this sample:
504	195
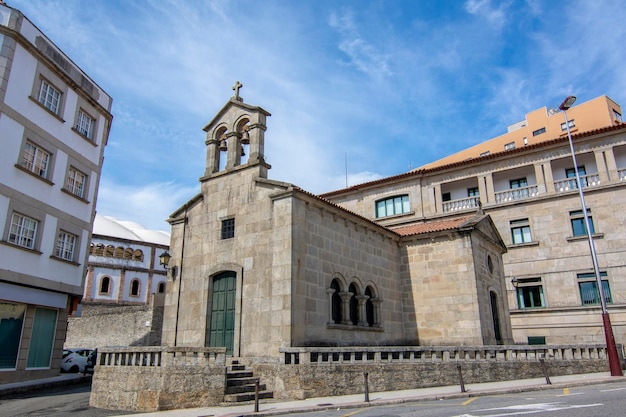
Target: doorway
222	328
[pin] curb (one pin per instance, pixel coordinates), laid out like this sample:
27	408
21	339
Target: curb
428	397
11	391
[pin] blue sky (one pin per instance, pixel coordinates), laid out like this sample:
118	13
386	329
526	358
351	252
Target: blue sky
386	85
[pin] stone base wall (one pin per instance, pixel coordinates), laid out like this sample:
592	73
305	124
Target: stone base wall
156	378
297	382
145	389
146	379
116	325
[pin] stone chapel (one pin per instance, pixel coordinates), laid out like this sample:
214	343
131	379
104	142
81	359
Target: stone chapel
258	264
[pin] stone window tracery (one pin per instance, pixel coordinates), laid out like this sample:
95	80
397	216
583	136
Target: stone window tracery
352	307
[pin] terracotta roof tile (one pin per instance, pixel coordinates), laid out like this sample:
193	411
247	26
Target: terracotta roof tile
435	226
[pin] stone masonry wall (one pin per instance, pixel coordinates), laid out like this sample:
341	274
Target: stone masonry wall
116	325
292	382
145	389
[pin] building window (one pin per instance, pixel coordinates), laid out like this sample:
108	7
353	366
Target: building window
49	97
588	285
35	160
577	219
85	124
105	285
42	339
618	115
446	197
571	125
76	181
509	146
135	285
392	206
228	228
486	153
520	231
518	183
138	255
539	131
23	231
473	192
571	172
161	287
530	293
66	244
11	323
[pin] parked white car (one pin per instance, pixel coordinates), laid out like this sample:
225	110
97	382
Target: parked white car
75	359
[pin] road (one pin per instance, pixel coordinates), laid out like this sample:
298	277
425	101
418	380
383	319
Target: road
604	400
58	402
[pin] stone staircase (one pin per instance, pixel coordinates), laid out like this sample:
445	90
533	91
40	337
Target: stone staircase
240	385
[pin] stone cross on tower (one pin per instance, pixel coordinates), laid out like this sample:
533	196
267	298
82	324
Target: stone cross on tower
236	88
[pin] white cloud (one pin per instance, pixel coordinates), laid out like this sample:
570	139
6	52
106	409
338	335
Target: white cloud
149	205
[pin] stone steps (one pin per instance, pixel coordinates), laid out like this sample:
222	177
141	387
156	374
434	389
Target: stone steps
240	385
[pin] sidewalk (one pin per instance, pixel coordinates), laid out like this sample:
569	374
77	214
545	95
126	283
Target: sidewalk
274	408
38	384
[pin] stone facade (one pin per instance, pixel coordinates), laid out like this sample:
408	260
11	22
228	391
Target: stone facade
305	272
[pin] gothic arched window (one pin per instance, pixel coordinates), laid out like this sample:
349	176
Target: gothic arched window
369	306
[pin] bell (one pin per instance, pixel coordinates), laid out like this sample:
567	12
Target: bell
243	153
245	137
223	146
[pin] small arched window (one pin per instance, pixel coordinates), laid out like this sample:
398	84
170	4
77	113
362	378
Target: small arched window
161	287
99	249
119	252
128	253
138	255
336	300
110	251
354	305
105	285
135	285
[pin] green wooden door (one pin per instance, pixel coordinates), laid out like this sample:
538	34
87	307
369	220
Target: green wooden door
222	330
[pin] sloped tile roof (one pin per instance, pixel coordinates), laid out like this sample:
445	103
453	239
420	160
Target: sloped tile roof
435	226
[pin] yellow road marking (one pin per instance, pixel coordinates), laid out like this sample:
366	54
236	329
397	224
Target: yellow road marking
565	391
469	401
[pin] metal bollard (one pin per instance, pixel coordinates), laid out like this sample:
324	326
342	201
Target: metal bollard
367	389
545	371
461	378
256	395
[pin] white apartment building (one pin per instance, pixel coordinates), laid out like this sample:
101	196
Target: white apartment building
54	125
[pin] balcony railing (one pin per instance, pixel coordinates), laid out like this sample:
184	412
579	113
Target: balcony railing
516	194
462	204
591	180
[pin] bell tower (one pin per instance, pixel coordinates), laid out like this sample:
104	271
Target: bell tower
235	138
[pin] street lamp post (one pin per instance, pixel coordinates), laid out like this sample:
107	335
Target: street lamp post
614	362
